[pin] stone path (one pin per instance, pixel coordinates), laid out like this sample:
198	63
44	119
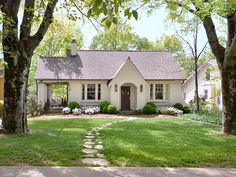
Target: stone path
93	146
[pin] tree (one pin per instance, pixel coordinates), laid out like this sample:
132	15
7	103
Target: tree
225	55
55	43
59	37
120	37
19	45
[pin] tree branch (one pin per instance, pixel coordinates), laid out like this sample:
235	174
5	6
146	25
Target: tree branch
27	19
231	23
217	49
47	20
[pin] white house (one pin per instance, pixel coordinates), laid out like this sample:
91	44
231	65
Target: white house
209	84
127	79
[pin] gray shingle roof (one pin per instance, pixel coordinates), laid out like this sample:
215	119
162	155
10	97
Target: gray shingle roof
102	65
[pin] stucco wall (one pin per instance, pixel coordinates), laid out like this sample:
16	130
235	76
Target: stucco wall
128	74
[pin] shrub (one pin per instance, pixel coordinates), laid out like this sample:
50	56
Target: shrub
73	105
186	110
152	104
104	110
111	109
33	105
104	104
47	106
76	111
178	106
148	109
66	110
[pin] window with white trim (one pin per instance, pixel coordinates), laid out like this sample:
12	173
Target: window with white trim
91	91
83	91
99	92
151	91
159	92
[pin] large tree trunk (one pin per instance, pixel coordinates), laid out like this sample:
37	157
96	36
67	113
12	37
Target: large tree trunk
196	85
228	76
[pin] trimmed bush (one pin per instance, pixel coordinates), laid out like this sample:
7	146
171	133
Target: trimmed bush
148	109
73	105
186	110
103	106
111	109
152	104
104	110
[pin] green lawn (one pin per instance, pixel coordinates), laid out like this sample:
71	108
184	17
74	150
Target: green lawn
141	142
50	142
168	142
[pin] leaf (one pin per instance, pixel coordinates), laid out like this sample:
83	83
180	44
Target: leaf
108	23
126	12
115	20
135	14
89	13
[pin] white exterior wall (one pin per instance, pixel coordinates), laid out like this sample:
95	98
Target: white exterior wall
128	74
75	92
174	93
188	88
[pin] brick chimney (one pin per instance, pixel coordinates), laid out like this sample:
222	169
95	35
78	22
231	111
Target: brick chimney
73	48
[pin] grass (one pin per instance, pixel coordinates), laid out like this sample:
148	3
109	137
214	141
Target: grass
141	142
51	142
168	142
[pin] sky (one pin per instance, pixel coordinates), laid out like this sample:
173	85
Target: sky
151	26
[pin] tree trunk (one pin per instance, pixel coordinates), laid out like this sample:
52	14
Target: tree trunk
228	76
15	96
196	86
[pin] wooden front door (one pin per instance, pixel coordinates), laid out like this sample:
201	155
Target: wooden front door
125	97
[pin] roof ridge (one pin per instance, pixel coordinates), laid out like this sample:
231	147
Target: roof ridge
99	50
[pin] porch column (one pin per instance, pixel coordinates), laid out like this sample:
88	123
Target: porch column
42	93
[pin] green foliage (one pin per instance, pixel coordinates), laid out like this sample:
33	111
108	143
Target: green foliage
205	117
73	105
111	109
179	106
103	106
58	38
120	36
47	106
152	104
149	109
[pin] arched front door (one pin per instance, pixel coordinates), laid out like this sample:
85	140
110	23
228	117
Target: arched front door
125	97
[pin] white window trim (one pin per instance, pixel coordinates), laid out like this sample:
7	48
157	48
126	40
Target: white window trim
164	92
86	91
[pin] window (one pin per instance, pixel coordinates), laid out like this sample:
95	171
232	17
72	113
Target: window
205	94
151	91
83	92
91	91
167	92
141	88
208	75
159	92
99	91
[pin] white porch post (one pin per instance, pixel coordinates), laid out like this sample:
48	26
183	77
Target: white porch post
42	93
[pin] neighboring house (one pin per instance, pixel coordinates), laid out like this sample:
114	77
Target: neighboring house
127	79
1	84
209	84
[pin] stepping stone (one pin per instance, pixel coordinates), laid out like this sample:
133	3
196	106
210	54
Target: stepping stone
88	146
97	133
89	137
88	140
89	143
96	161
99	147
89	151
90	155
89	134
99	142
99	155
